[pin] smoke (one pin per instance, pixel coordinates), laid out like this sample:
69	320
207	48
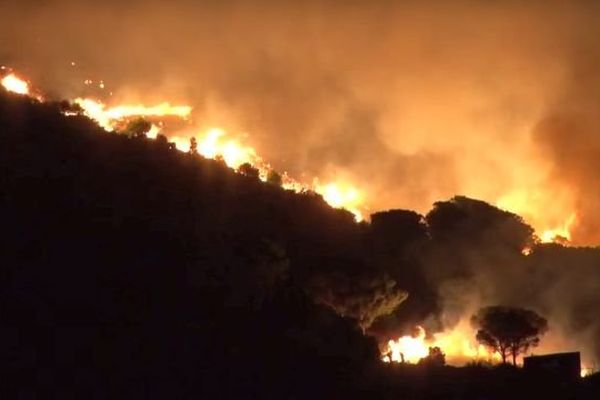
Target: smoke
412	102
568	135
476	262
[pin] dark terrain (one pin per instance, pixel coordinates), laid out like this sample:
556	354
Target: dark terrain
131	270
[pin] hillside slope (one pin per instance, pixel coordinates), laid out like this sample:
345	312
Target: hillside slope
131	269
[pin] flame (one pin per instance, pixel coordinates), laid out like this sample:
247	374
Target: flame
561	233
458	345
408	348
341	195
110	117
14	84
555	224
338	193
213	145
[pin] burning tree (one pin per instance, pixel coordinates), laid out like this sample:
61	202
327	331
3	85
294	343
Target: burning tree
435	358
138	128
509	330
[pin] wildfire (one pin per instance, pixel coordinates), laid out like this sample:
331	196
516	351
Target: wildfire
14	84
234	154
561	233
110	117
341	195
215	143
458	345
554	224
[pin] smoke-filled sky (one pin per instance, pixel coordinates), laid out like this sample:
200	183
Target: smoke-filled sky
411	101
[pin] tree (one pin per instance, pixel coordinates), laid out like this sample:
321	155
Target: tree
138	128
435	358
361	296
509	330
162	140
248	170
470	222
193	146
274	178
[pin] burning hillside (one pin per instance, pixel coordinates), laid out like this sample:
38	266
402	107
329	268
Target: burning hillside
458	345
214	142
211	143
297	199
179	123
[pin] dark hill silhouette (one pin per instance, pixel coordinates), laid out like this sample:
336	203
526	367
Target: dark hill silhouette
131	270
129	266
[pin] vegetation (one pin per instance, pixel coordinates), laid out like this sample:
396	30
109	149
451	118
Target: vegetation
274	178
138	128
435	358
131	270
248	170
509	330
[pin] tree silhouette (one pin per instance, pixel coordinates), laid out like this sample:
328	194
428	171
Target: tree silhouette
509	330
248	170
137	128
193	145
274	178
435	358
362	296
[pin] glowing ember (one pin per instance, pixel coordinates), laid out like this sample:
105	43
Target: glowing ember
458	345
14	84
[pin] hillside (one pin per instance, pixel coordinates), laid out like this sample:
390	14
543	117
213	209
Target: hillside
130	269
129	266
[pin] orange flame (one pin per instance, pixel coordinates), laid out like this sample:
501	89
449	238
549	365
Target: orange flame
109	117
341	195
214	143
458	345
559	234
555	224
14	84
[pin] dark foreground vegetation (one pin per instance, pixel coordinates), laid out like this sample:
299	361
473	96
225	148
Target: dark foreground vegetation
131	270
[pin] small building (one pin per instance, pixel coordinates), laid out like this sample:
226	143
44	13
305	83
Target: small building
564	366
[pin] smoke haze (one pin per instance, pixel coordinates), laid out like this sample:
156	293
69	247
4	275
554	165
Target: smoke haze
412	102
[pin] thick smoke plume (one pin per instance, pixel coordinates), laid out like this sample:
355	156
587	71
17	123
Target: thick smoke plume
412	102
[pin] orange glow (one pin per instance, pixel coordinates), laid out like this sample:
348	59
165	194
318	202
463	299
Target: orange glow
555	224
459	346
14	84
109	117
561	233
409	348
213	144
341	195
551	225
